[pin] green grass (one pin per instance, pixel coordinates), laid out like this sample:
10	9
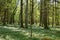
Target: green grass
14	33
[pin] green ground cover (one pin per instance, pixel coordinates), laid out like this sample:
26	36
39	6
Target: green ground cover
15	33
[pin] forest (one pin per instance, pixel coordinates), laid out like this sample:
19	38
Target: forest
29	19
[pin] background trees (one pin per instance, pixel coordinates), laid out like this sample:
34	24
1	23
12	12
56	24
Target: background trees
43	13
7	8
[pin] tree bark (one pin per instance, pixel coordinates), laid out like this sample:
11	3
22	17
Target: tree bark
21	14
26	15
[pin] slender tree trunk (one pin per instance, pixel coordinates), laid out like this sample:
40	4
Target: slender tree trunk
4	18
53	17
21	14
32	13
41	13
26	15
45	15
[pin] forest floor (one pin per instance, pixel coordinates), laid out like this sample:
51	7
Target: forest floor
38	33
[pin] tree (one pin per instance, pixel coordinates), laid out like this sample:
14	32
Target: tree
21	13
32	12
45	15
26	15
41	12
4	18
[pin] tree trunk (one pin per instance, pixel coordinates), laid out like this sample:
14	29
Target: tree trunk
21	14
45	15
41	13
26	15
32	13
4	18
